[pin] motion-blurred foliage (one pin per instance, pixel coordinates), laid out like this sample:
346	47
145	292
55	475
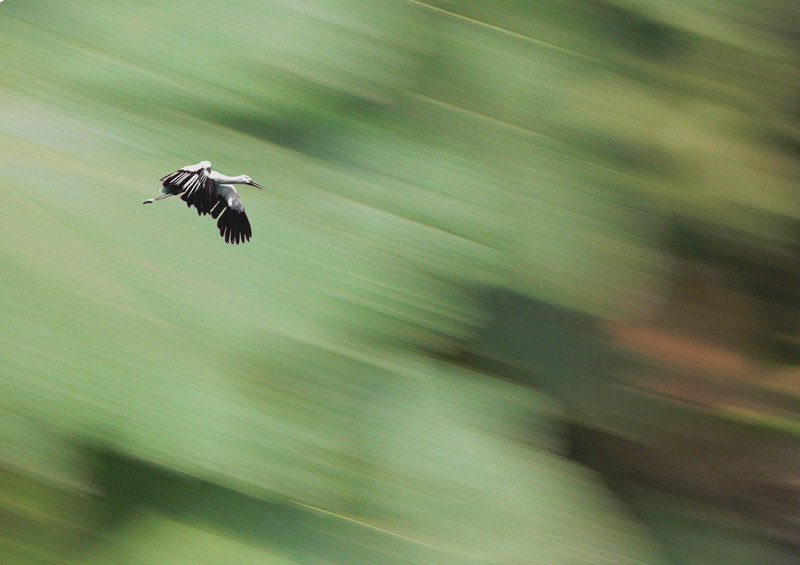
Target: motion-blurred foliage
413	153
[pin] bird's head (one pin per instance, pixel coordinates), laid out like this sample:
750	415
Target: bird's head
251	182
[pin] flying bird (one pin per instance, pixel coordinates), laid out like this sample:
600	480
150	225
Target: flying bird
212	193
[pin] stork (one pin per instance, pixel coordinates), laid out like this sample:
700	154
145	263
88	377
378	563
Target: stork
212	193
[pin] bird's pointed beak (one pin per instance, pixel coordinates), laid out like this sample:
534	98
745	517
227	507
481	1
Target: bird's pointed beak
255	184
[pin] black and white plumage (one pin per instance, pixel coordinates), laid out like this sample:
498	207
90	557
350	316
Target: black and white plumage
211	193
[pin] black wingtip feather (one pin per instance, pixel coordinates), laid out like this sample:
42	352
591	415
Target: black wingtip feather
234	227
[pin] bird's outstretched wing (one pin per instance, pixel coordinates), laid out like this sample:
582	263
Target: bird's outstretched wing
231	219
197	188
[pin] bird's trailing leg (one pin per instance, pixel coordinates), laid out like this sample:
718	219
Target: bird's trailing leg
151	200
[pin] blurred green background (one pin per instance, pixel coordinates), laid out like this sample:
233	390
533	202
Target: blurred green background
523	286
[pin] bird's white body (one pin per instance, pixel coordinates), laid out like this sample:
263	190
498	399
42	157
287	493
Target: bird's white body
211	192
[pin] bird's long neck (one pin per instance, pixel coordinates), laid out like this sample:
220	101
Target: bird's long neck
220	178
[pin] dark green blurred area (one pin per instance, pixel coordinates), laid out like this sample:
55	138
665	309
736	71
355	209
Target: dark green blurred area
523	286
